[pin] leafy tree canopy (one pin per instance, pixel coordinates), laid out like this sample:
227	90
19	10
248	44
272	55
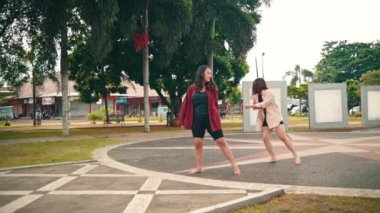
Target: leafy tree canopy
371	77
342	60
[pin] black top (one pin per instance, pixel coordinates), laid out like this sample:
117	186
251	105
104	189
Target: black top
200	103
261	100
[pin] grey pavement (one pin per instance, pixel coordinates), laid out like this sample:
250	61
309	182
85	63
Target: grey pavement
151	174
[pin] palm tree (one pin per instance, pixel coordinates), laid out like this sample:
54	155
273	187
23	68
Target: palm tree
59	17
234	19
146	71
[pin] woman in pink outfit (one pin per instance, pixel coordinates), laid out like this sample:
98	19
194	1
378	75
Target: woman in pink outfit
269	117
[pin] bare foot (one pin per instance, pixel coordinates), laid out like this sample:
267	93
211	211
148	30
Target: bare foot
297	160
272	160
236	170
196	170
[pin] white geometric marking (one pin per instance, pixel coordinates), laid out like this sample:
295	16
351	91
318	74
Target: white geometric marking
56	184
139	203
19	203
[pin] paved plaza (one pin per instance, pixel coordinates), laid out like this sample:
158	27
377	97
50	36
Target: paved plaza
151	175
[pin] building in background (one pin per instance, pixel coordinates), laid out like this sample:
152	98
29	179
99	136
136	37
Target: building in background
49	101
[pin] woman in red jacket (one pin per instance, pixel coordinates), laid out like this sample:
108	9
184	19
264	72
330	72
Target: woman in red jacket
200	112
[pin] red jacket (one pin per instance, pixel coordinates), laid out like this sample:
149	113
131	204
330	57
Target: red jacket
186	113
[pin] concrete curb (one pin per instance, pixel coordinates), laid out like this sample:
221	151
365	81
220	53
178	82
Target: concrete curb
233	205
45	165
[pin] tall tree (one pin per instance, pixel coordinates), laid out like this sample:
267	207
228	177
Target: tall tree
95	80
58	18
55	17
353	93
24	51
146	68
342	60
168	21
308	76
297	76
42	64
13	31
233	98
371	77
235	24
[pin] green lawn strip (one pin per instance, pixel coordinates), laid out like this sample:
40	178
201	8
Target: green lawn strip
296	124
38	133
232	124
23	154
311	203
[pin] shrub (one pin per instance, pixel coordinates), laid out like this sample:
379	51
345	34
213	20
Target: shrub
99	115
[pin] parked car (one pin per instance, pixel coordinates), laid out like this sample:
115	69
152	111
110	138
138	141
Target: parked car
354	110
223	113
7	113
290	107
296	110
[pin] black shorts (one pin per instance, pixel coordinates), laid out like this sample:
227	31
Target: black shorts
201	123
265	124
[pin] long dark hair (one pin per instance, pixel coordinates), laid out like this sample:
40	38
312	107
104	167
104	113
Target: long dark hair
258	86
199	75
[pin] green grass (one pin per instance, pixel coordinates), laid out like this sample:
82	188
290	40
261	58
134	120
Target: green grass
296	124
23	154
315	203
38	133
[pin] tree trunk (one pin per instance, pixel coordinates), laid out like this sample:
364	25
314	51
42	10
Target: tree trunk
176	106
146	72
163	98
65	83
34	98
106	108
210	55
299	82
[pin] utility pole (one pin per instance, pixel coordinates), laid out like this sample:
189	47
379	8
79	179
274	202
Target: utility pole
262	63
299	83
257	70
210	55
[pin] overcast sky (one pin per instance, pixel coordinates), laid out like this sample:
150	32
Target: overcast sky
293	31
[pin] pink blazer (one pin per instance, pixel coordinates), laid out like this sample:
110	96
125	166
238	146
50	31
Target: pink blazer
274	116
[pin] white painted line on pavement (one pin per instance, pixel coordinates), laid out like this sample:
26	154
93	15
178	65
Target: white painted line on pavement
354	192
285	156
194	192
111	175
253	146
94	192
102	156
348	140
190	148
84	169
240	202
19	203
151	184
254	141
364	144
14	192
56	184
139	203
32	175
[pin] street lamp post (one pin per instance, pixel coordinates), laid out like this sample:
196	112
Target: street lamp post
299	86
262	63
257	69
